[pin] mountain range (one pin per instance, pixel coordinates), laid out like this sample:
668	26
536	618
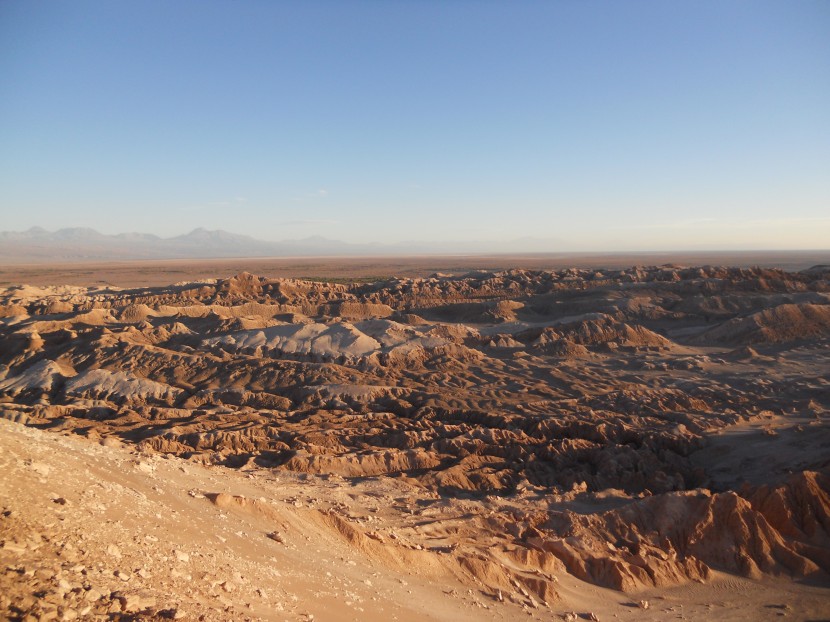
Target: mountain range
38	245
85	244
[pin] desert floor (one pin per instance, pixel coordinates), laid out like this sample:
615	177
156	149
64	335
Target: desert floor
642	442
153	273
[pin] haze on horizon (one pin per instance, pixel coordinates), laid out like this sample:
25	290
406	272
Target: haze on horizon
597	126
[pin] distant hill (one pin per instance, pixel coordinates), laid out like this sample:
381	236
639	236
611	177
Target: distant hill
81	244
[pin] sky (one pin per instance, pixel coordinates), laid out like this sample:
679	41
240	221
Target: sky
560	126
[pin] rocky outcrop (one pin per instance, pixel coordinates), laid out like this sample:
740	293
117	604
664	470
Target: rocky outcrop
788	322
579	397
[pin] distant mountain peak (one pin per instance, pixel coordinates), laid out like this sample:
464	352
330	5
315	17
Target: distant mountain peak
78	233
200	233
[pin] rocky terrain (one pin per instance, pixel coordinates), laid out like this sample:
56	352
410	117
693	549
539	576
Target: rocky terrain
473	446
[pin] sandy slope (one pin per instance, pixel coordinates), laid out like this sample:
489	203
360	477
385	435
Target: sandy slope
83	513
99	530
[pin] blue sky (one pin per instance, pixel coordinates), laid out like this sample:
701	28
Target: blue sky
580	125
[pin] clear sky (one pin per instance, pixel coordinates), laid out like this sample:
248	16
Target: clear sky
589	125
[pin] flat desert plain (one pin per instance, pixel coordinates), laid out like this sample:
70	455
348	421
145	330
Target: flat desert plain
375	442
152	273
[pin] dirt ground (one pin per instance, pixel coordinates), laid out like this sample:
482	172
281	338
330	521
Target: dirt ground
102	531
164	272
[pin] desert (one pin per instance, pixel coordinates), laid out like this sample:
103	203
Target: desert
641	442
414	311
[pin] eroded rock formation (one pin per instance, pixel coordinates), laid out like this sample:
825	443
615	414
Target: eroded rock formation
581	397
